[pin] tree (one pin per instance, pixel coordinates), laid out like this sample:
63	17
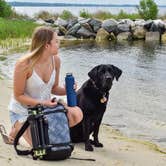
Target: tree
148	9
5	9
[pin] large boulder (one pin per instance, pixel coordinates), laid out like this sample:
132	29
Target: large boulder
139	22
73	30
61	22
50	20
110	25
95	24
163	37
102	34
124	36
62	31
127	21
85	33
71	23
139	32
148	24
84	21
152	36
123	28
88	27
40	21
160	26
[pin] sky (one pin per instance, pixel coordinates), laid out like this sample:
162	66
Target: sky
158	2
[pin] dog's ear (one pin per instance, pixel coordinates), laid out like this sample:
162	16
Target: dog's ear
117	72
93	73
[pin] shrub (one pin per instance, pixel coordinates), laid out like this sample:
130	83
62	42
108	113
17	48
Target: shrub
85	14
123	15
5	9
66	15
102	15
148	9
46	15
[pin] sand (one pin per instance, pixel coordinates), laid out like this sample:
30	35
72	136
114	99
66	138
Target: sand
117	151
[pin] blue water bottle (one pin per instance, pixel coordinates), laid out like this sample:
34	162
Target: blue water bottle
70	92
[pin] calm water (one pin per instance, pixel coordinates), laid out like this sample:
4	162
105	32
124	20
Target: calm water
137	104
31	11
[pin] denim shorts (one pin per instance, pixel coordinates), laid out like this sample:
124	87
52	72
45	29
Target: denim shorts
14	117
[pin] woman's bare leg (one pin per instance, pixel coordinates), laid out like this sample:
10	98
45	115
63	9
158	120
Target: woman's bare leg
16	127
74	115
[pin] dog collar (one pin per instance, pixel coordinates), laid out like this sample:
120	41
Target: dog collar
103	99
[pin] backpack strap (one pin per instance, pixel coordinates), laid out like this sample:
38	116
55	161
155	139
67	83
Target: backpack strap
19	134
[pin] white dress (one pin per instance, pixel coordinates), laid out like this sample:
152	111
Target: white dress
36	88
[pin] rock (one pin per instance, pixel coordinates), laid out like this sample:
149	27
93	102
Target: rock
40	21
123	28
127	21
95	24
155	26
84	21
85	33
102	34
152	36
139	32
112	36
124	36
148	25
139	22
73	30
88	27
61	22
62	31
51	21
71	23
163	37
110	25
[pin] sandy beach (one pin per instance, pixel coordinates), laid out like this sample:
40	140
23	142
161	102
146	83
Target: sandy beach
118	150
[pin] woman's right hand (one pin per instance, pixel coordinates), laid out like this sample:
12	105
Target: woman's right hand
49	103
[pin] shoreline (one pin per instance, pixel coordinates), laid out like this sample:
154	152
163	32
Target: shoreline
118	149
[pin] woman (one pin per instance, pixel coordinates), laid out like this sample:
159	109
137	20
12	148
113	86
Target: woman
36	77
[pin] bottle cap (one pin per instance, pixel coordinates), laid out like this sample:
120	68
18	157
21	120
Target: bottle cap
69	74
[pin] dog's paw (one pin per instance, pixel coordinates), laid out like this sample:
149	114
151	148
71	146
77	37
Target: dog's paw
98	144
88	147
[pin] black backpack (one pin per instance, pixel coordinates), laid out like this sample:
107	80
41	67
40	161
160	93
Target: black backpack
50	133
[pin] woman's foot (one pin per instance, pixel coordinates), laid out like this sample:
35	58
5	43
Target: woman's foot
7	139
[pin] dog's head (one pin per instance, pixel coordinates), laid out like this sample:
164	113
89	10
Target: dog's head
103	76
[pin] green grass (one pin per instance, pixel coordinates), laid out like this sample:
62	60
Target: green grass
121	15
16	28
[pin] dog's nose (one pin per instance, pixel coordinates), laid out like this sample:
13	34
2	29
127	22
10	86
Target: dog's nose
108	78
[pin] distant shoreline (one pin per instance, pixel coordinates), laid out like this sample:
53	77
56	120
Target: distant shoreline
36	4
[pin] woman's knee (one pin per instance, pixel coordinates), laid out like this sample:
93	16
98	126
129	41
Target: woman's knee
79	114
75	115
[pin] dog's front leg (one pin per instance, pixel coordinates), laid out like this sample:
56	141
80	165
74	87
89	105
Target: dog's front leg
86	130
95	134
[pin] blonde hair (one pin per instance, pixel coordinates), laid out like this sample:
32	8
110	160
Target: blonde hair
41	36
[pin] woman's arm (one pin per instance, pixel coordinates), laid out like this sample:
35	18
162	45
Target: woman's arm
58	90
20	78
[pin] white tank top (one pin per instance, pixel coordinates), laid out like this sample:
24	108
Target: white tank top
36	88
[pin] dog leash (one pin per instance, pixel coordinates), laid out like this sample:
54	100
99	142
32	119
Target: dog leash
85	159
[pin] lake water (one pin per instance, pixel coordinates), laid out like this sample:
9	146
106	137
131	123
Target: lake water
137	104
31	11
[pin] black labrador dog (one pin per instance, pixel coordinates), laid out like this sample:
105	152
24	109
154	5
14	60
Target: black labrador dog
92	98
